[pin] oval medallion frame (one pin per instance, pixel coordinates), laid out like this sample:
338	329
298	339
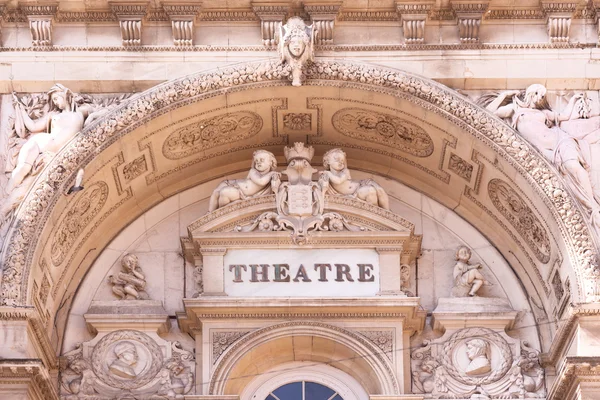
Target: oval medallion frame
100	365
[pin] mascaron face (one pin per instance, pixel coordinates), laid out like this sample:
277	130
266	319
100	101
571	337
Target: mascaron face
296	47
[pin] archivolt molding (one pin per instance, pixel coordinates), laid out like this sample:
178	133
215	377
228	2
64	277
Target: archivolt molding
33	213
364	347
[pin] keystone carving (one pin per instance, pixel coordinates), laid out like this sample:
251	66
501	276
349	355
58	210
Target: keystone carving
296	47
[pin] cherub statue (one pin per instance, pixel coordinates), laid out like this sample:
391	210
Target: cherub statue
467	278
262	179
296	46
130	283
336	180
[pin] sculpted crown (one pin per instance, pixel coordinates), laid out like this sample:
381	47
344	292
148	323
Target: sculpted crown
298	151
296	26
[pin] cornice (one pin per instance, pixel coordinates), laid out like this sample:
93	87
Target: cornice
85	16
226	15
331	48
474	7
413	7
374	16
512	13
31	370
549	7
126	9
36	327
181	9
572	371
564	334
39	10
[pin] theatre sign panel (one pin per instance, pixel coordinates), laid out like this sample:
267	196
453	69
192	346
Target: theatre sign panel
293	272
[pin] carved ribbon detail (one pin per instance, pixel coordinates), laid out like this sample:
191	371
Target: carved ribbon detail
211	132
76	219
517	212
385	129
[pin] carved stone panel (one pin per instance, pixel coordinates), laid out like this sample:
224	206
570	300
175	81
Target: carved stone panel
514	208
79	215
384	129
211	132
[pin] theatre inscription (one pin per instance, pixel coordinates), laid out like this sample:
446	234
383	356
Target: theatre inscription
294	273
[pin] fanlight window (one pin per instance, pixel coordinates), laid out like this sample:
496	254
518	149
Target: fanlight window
303	391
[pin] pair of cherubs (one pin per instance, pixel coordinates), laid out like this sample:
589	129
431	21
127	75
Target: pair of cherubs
263	179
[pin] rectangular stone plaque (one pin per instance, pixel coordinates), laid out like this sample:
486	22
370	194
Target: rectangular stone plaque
302	273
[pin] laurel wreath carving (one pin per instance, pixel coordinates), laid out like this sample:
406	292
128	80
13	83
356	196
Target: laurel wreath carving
473	333
99	359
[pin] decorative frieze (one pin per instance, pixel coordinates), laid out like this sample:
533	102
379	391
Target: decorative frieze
559	20
323	18
374	16
271	19
413	16
130	17
182	18
40	19
469	15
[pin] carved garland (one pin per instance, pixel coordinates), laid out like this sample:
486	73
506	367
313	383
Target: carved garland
35	209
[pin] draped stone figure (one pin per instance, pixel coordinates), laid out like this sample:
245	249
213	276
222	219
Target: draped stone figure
533	118
41	129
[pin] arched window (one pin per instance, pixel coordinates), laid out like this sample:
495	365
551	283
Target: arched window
304	390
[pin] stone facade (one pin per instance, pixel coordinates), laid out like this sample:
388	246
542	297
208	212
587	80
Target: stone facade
390	199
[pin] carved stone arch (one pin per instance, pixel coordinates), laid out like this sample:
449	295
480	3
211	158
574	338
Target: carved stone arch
531	177
371	367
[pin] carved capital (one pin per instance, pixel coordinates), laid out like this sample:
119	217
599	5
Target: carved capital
469	15
271	18
323	16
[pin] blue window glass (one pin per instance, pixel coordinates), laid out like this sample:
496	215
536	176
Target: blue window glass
291	391
315	391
